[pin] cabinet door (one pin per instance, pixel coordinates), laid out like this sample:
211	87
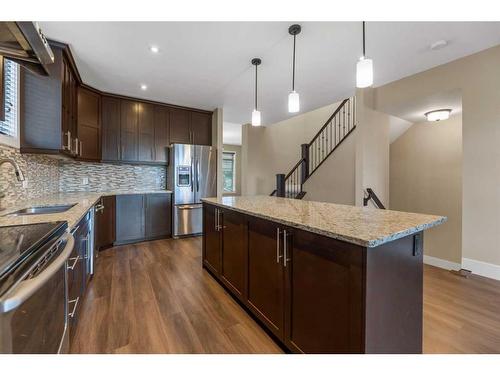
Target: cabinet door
129	131
110	116
201	128
211	239
105	222
146	131
324	294
129	218
179	126
158	215
265	274
89	127
162	129
234	251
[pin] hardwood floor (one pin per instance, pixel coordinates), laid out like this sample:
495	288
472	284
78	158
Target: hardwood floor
154	297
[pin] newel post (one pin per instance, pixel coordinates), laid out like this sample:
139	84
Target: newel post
280	185
305	161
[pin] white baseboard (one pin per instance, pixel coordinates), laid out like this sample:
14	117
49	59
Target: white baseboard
482	268
441	263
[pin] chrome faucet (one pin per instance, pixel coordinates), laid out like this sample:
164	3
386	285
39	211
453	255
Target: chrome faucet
17	170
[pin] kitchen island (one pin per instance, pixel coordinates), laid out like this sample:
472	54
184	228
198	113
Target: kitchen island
321	277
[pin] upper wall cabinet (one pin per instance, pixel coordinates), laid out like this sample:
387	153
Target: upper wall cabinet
110	128
89	125
49	108
190	127
161	133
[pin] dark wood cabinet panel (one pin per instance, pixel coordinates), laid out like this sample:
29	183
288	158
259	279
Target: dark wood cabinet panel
130	224
105	222
211	239
146	131
161	133
110	127
129	131
89	125
158	215
180	131
234	251
201	128
266	287
324	294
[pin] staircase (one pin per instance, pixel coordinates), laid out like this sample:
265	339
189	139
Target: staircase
337	128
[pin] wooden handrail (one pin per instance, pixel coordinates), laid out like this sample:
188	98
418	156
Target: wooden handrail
329	120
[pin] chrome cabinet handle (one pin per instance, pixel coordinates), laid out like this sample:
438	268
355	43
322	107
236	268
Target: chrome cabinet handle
81	147
216	218
75	301
278	256
99	207
74	229
68	139
285	256
75	261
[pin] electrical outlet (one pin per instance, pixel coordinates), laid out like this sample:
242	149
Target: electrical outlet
25	183
85	181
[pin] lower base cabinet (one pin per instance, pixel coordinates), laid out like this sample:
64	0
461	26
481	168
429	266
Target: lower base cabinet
316	294
142	217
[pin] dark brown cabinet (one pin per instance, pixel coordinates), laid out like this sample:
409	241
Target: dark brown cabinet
142	217
161	133
110	128
89	125
130	224
266	287
314	293
49	108
190	127
105	222
158	215
129	131
146	132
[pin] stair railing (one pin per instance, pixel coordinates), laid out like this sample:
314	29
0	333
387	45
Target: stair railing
313	154
370	195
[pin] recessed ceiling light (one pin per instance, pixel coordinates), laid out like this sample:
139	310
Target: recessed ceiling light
154	49
438	44
144	87
438	115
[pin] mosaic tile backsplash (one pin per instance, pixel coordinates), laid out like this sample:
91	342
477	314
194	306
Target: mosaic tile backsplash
41	173
102	177
48	175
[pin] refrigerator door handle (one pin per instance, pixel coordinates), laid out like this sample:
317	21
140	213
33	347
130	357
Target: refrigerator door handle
197	175
192	174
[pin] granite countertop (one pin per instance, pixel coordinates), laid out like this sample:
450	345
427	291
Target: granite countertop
84	201
368	227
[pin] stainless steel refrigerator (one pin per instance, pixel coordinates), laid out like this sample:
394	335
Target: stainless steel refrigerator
191	176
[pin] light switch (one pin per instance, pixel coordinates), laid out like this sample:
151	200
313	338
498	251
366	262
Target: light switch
85	181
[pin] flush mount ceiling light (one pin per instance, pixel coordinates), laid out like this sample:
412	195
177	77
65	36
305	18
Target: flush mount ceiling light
438	115
293	97
438	45
154	49
256	121
144	87
364	68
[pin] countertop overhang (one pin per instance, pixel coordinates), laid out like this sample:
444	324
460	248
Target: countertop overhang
367	227
83	202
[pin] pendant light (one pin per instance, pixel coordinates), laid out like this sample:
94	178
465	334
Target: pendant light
293	97
364	68
256	121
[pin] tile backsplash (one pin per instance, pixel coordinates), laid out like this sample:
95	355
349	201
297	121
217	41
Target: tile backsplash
41	174
49	175
102	176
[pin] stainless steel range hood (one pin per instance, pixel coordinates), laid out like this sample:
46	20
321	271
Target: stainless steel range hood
24	43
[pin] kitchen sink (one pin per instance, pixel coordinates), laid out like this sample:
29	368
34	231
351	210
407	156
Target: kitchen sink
40	210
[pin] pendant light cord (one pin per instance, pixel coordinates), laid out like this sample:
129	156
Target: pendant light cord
256	87
293	67
364	53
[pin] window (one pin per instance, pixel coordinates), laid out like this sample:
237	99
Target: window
9	127
229	172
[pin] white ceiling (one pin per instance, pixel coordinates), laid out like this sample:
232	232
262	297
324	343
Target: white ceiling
207	64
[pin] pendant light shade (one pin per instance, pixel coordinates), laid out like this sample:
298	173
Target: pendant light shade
293	102
364	68
364	73
293	97
256	118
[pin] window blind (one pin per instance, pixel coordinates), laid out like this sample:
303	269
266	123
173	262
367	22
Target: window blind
8	127
228	171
